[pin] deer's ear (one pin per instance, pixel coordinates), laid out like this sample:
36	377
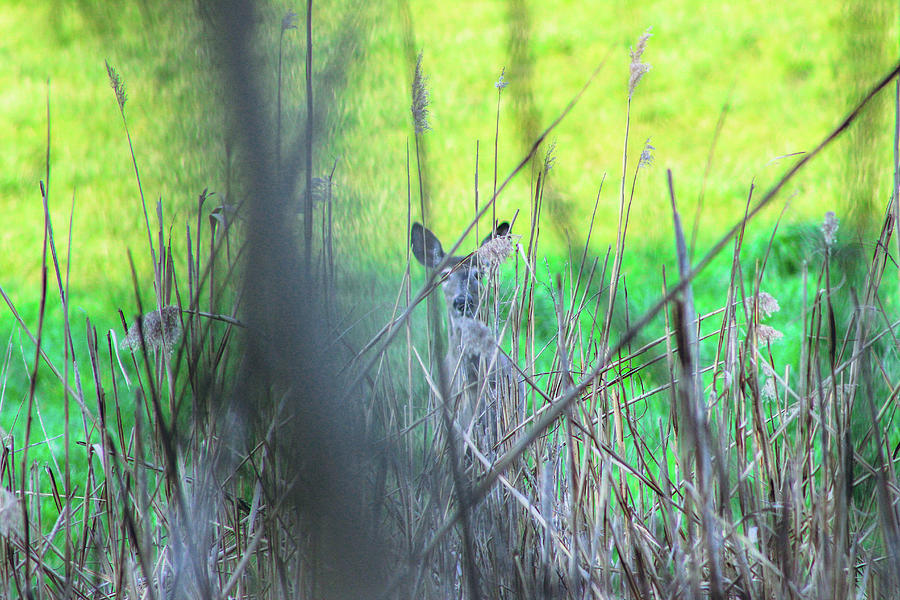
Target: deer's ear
425	246
501	230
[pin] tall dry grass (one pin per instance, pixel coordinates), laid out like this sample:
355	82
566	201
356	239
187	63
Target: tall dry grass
245	441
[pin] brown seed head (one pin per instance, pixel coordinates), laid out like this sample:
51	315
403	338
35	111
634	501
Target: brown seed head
160	328
495	251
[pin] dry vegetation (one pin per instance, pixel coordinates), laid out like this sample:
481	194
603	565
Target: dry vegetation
242	445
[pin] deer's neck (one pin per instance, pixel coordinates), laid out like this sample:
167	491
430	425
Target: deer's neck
454	334
470	337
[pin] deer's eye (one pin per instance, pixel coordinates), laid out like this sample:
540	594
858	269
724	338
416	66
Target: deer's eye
444	273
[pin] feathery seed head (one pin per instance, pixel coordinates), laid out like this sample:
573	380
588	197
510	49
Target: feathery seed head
641	45
420	98
289	21
768	334
646	155
501	83
159	328
550	157
10	514
637	69
767	303
495	251
118	86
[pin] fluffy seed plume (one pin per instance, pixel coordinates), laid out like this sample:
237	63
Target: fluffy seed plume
646	155
829	228
420	98
495	251
10	514
637	68
768	334
289	21
159	328
766	302
118	86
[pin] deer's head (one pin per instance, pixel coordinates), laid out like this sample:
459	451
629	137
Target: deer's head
462	275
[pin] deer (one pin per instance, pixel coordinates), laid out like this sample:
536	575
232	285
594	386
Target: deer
481	378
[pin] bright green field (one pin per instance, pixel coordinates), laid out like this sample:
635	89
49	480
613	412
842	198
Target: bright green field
787	73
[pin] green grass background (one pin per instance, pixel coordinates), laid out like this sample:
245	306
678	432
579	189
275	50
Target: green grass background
787	73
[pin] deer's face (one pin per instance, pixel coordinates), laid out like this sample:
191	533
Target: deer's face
461	277
462	288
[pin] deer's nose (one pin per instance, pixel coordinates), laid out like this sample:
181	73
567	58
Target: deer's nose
464	305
